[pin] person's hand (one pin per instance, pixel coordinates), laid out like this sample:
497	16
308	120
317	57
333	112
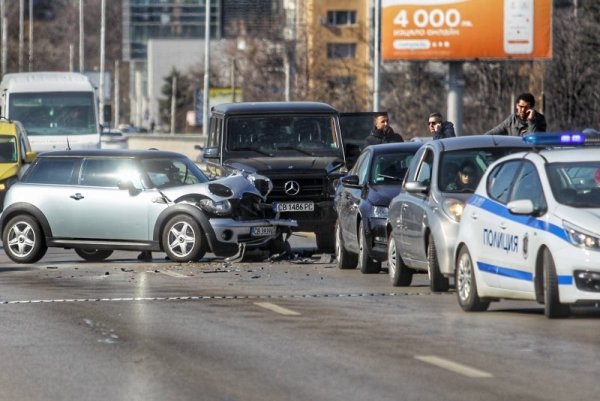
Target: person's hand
530	114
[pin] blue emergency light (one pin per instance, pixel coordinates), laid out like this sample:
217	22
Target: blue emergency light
558	139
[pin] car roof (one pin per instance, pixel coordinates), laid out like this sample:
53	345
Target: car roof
273	108
394	147
149	153
570	154
478	141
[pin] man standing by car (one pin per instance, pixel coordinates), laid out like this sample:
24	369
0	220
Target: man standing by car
524	121
438	128
382	132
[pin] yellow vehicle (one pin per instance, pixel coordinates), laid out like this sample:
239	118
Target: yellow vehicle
15	154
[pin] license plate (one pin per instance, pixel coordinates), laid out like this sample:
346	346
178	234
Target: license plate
262	231
294	207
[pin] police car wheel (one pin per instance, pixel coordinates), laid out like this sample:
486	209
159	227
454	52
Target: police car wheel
553	309
437	282
400	274
466	286
365	263
344	259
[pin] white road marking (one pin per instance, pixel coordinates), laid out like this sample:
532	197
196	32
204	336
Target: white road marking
453	366
277	309
173	274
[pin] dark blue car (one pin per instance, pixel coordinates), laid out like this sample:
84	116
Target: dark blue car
361	201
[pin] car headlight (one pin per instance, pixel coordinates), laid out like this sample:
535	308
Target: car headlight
380	212
453	208
581	238
215	207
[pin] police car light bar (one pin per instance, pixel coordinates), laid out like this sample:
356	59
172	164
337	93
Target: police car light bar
560	139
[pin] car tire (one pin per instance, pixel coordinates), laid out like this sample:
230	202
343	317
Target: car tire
437	282
24	240
183	240
366	264
325	241
553	309
400	274
93	255
344	259
466	286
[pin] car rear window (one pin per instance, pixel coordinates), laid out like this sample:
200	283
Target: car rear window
52	171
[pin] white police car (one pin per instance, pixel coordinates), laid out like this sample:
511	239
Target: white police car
531	230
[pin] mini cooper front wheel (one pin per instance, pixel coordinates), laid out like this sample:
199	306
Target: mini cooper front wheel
183	240
23	240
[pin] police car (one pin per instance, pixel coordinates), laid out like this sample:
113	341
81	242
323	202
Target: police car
531	230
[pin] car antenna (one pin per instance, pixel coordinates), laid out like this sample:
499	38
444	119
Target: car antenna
68	144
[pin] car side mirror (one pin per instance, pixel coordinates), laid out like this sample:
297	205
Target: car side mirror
415	187
127	185
30	156
522	207
350	181
211	153
198	147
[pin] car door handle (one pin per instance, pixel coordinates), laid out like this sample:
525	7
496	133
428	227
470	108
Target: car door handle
474	216
77	196
503	226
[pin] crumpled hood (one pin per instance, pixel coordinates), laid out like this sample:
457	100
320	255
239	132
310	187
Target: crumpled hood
587	219
264	165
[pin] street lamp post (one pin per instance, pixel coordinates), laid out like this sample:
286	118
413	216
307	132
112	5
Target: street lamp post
102	44
81	55
206	69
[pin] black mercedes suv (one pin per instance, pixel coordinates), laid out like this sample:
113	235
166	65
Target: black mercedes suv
298	145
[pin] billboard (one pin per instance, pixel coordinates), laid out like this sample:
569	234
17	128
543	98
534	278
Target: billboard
466	29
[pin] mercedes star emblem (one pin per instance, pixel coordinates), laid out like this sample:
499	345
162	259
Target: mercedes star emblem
292	188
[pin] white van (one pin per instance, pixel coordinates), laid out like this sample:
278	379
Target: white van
58	109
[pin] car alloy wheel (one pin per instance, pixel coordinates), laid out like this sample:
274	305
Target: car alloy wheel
183	240
466	286
23	240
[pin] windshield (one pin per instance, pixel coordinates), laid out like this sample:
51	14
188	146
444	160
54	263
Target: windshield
575	184
461	170
54	113
389	169
172	172
282	135
8	149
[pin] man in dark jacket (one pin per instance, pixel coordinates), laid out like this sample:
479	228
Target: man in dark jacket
438	128
524	120
382	132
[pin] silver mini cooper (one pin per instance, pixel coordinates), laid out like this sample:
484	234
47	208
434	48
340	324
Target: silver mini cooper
97	201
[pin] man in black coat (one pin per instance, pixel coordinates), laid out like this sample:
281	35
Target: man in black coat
382	132
438	128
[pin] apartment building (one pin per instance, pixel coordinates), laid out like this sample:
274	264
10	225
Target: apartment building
334	51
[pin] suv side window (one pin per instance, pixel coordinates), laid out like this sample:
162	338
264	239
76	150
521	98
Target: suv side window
500	181
214	139
105	172
53	171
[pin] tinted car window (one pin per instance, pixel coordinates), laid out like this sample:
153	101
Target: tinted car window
478	159
165	172
575	184
500	180
52	171
528	186
390	168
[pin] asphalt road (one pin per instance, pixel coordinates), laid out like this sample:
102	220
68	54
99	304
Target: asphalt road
296	329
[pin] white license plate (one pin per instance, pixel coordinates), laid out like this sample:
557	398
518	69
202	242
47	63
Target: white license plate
262	231
294	207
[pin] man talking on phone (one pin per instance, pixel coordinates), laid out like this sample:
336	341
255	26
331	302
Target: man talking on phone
524	120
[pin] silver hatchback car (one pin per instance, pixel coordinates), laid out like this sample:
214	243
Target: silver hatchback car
423	218
97	201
